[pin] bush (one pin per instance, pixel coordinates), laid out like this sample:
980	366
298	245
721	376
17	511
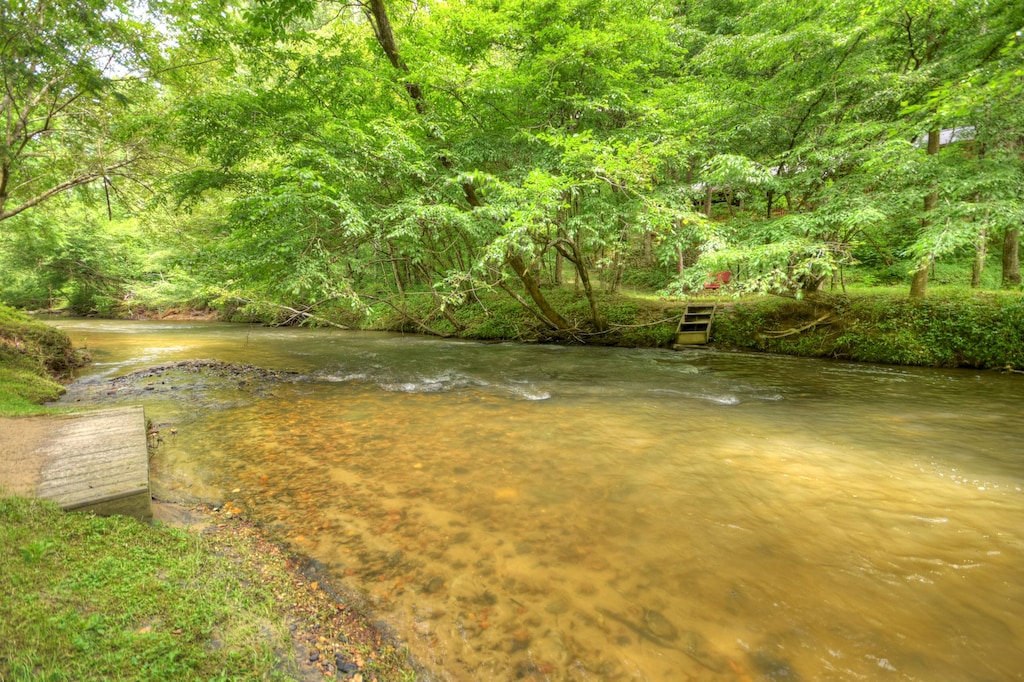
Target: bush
649	278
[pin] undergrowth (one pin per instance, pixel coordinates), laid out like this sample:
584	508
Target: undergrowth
984	331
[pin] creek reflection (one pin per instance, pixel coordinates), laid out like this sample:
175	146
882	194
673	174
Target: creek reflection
551	513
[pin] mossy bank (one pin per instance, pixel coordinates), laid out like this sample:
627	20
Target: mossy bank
980	331
34	359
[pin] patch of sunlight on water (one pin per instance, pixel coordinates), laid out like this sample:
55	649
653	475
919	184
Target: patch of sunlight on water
679	517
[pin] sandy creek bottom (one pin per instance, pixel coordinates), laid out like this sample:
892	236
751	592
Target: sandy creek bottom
579	514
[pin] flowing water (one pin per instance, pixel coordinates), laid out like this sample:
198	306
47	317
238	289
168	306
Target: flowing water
551	513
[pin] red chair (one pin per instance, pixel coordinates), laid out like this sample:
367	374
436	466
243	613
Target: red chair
720	278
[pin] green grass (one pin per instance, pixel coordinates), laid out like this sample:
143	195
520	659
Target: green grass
90	598
22	392
33	357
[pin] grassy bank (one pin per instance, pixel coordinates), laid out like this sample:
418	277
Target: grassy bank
948	330
954	327
630	321
951	328
90	598
34	358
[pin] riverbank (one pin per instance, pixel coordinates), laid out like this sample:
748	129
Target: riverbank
201	594
952	328
35	359
983	331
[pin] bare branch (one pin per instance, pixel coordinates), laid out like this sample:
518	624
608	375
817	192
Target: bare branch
76	181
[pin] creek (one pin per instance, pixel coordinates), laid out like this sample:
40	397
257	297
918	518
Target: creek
532	512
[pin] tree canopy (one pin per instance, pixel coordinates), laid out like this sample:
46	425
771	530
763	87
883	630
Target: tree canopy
316	151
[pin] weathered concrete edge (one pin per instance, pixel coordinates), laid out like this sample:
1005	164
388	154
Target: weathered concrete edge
135	498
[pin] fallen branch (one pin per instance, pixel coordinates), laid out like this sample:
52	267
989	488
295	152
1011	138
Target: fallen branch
824	319
419	323
295	313
307	315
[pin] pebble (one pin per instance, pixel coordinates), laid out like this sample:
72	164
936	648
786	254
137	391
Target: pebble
433	585
659	626
345	667
558	606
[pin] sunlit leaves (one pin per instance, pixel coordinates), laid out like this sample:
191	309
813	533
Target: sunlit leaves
770	136
71	74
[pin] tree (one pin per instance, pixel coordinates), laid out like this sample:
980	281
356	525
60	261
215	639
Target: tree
69	69
830	98
377	151
449	169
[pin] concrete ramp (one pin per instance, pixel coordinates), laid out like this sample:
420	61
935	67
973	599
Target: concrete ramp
95	461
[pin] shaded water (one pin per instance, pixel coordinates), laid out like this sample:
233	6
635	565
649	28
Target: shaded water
549	513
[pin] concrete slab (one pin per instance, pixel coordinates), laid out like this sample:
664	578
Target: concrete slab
95	461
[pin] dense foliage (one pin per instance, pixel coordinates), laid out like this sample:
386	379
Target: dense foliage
326	159
947	331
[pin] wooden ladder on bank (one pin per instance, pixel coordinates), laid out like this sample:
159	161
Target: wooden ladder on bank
695	324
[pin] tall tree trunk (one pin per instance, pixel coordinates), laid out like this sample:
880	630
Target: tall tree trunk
378	15
399	284
618	261
386	39
532	288
1011	258
980	254
919	285
572	252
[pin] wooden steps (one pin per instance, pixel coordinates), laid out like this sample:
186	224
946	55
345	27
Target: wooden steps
695	324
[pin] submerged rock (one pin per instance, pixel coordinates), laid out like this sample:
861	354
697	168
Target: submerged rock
433	585
772	667
659	626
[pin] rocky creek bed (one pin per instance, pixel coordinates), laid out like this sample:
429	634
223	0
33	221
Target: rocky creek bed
188	378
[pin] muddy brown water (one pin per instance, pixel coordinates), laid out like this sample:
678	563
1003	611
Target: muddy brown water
546	513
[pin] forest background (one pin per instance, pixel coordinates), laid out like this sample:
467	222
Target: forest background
511	169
